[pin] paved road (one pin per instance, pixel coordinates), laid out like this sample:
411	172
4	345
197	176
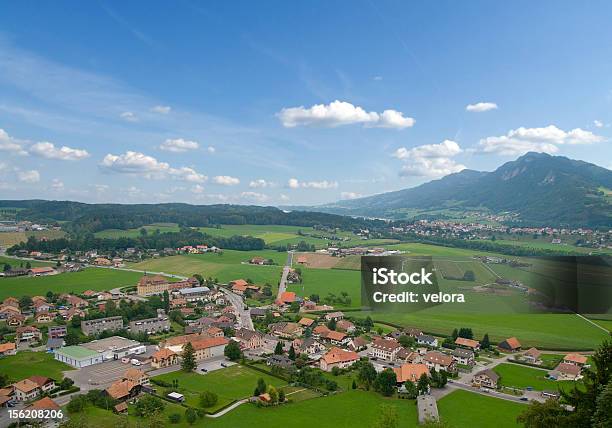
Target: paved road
282	285
228	409
243	316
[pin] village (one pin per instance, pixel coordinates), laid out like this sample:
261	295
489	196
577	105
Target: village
125	344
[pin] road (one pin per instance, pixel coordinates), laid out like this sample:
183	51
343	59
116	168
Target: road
243	316
282	285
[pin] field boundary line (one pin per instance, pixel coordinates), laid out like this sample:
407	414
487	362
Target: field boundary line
594	323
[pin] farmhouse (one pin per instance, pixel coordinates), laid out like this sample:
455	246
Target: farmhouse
286	330
575	359
8	348
249	339
308	346
335	316
567	371
138	377
26	390
335	337
510	345
286	298
337	357
164	358
463	356
410	372
427	340
385	349
306	322
438	361
467	343
486	379
122	390
320	331
345	325
532	356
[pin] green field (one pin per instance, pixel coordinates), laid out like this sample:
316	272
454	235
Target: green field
324	281
517	376
8	239
226	267
467	409
133	233
88	279
230	384
25	364
15	263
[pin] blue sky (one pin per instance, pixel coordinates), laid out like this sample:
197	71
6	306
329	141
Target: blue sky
291	103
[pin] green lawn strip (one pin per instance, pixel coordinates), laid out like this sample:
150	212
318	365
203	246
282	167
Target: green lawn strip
230	384
25	364
345	410
517	376
133	233
17	263
471	410
88	279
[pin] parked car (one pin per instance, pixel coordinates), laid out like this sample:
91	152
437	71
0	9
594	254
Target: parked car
135	362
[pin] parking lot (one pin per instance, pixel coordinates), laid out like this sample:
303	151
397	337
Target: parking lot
213	364
100	376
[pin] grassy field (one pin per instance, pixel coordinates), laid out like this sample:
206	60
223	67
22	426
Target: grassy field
230	384
346	410
517	376
8	239
132	233
324	281
15	263
467	409
88	279
225	267
25	364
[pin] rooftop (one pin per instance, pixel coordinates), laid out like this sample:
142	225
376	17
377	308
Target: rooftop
76	352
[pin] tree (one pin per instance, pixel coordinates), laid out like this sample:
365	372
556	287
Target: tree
188	363
149	405
166	303
469	275
72	338
466	333
385	382
232	351
603	408
368	324
292	353
25	302
366	374
28	265
354	385
208	399
544	415
331	324
199	277
411	390
485	343
281	396
191	416
455	334
174	418
273	393
278	350
423	384
260	388
6	267
387	417
406	341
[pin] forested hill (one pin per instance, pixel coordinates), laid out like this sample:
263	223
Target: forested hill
539	188
88	218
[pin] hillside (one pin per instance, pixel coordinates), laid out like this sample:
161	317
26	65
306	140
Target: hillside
539	188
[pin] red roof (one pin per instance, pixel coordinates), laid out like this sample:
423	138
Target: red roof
337	355
287	297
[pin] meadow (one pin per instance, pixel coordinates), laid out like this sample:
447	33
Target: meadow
88	279
8	239
25	364
467	409
133	233
230	384
517	376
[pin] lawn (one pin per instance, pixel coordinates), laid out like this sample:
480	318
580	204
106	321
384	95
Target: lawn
15	263
517	376
325	281
225	267
346	410
230	384
468	409
90	278
25	364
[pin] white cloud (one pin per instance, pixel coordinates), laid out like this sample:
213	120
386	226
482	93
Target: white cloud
350	195
261	183
161	109
294	183
128	116
31	176
57	184
178	145
136	163
226	180
598	123
430	160
198	188
284	197
480	107
10	144
254	196
522	140
211	149
49	151
378	78
338	113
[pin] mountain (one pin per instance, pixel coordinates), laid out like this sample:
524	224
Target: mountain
539	188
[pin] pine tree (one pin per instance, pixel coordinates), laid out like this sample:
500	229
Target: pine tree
188	363
485	343
292	353
279	348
